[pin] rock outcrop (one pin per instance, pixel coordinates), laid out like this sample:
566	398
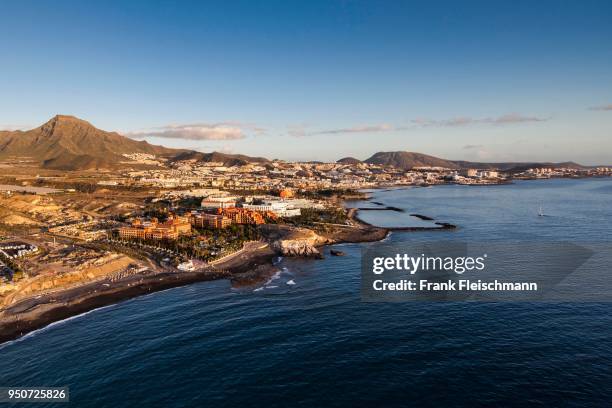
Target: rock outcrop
296	248
292	241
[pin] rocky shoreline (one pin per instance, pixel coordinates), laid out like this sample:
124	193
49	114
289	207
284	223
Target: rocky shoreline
35	313
439	226
246	268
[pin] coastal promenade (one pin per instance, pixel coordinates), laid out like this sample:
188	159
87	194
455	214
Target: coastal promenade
246	247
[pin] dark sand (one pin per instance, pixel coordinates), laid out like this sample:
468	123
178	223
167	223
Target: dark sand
39	311
245	268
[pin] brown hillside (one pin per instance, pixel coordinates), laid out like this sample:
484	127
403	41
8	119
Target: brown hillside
69	143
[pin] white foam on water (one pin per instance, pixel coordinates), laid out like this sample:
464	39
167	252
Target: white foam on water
271	287
286	271
388	237
273	278
291	282
50	325
269	281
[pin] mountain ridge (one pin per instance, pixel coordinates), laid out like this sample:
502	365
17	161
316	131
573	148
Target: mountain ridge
68	143
348	160
408	160
225	158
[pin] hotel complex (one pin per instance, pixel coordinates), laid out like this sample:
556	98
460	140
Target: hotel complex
171	229
244	216
216	221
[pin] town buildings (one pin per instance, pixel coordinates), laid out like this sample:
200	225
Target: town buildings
13	250
278	207
203	220
171	229
286	179
243	215
215	202
286	193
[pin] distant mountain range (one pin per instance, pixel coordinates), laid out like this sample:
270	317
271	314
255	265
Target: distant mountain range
409	160
349	160
69	143
226	159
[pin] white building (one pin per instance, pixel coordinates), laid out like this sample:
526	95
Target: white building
186	266
219	202
280	208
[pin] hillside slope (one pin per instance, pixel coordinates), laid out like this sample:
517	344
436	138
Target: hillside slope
409	160
226	159
69	143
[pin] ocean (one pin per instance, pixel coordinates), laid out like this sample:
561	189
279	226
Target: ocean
305	338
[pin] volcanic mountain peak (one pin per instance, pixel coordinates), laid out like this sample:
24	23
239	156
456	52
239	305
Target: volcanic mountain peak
67	119
349	160
410	160
69	124
69	143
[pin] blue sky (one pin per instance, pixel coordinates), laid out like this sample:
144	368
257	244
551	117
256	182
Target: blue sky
299	80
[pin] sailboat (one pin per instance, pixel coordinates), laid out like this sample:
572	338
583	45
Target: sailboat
541	212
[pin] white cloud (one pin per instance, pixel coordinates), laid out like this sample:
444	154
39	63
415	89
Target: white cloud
602	107
510	118
514	118
358	129
199	131
472	147
299	131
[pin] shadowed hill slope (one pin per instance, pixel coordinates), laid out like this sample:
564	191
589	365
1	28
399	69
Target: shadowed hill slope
69	143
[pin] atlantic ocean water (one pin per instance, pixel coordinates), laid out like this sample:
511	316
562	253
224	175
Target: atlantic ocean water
305	338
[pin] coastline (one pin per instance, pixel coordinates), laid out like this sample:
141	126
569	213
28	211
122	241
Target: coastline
36	312
440	226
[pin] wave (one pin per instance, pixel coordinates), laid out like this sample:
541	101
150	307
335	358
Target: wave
51	325
387	238
291	282
273	278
